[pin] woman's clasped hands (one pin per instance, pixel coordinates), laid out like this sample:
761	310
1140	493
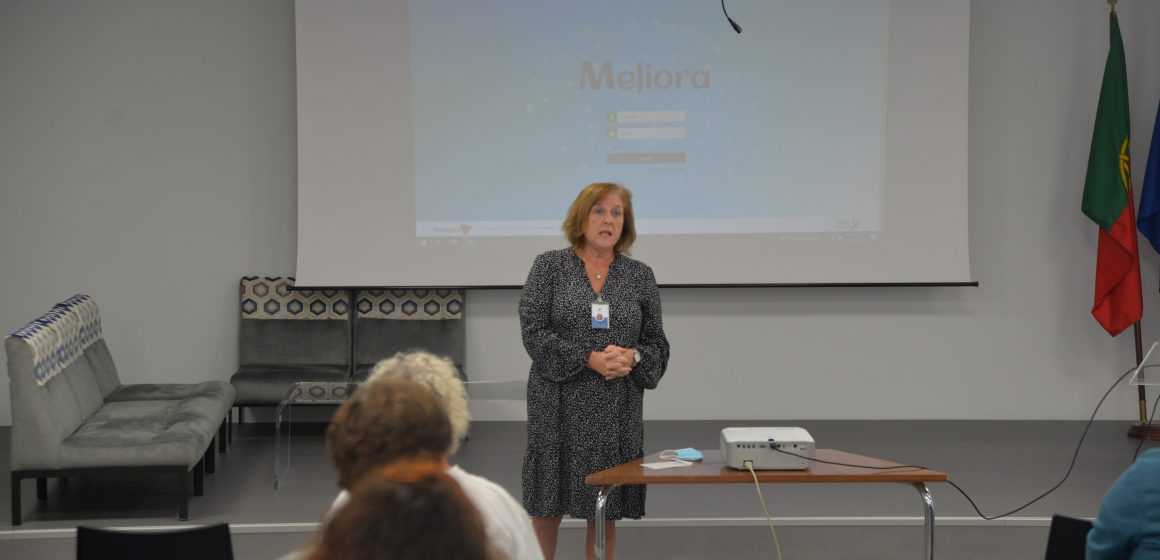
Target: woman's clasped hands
612	362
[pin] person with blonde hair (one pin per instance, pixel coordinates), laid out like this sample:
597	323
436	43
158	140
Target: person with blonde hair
508	526
590	318
437	373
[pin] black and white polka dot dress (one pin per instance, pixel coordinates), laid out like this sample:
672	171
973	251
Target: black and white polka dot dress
578	423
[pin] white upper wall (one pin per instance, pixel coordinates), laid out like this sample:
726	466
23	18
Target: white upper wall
147	159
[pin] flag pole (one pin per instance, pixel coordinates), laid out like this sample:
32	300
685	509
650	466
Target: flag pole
1143	430
1139	359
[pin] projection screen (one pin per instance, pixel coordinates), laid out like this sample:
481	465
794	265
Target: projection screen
440	142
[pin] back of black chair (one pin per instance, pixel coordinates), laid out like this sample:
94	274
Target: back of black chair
211	542
1067	539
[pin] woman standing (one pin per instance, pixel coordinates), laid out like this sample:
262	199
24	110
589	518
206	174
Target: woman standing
591	322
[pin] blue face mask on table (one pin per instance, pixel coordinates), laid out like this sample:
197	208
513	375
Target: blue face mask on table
680	455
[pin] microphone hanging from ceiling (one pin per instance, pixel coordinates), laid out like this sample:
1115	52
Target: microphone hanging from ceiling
736	26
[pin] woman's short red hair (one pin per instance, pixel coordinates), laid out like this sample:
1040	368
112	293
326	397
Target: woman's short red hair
577	218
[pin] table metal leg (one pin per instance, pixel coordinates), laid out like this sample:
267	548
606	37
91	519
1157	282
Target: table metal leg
601	505
278	442
928	520
303	392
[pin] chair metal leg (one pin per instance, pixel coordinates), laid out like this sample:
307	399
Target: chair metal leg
221	437
41	488
230	426
15	499
199	478
209	458
182	495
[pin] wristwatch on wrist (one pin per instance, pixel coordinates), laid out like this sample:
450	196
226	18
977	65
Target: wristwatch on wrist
636	357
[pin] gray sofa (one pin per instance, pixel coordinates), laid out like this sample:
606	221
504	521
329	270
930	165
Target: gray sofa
71	416
288	335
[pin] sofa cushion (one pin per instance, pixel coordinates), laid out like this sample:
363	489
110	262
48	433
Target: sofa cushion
144	433
82	385
171	391
85	388
104	369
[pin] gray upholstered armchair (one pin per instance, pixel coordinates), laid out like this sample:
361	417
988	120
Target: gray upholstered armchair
286	336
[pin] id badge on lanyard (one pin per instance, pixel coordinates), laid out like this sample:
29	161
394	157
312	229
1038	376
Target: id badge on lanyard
599	314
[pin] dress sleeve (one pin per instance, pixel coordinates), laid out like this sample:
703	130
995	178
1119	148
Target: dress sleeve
554	358
652	345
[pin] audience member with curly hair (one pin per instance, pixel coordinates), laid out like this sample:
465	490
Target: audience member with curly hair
372	430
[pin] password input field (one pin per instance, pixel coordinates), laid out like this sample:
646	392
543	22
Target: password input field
647	133
646	158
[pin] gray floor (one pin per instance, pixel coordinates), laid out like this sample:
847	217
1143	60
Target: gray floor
1001	464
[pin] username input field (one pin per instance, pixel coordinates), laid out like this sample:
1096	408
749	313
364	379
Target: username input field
642	117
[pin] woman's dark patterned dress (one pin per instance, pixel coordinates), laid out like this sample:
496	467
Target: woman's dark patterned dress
578	423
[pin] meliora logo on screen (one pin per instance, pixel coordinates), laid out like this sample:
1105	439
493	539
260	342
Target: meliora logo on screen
641	77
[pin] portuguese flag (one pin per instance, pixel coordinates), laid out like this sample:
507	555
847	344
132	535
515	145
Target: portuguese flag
1107	199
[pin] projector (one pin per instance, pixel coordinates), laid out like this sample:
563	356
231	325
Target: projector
760	446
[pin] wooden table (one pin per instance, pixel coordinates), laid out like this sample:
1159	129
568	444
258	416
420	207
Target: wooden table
712	470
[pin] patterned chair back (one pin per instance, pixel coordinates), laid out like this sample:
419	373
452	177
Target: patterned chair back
283	326
391	321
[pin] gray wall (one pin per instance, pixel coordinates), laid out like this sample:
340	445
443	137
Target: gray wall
147	158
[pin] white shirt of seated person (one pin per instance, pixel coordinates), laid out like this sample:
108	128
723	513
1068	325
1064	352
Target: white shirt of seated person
509	529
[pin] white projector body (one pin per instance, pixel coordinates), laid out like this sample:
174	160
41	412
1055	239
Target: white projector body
760	446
